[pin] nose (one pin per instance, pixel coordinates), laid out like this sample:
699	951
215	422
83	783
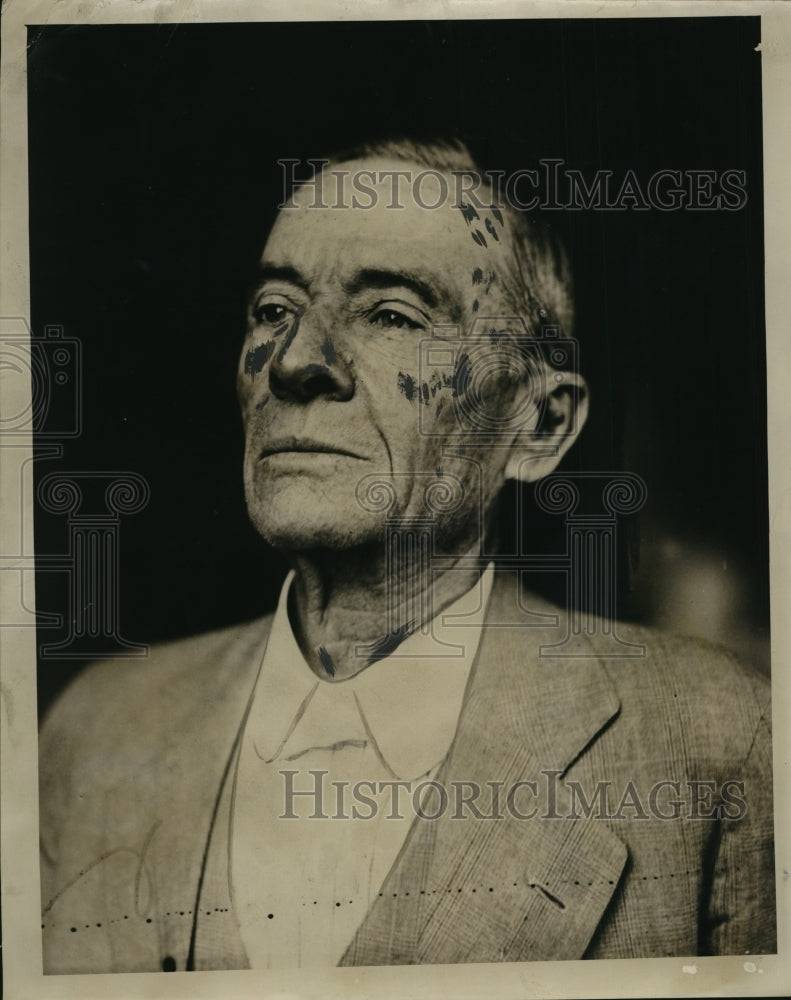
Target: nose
306	366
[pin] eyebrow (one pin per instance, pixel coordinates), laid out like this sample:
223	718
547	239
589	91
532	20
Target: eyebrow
264	272
364	279
374	277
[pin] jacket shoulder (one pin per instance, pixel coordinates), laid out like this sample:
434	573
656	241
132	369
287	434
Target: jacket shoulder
694	668
123	718
693	686
107	691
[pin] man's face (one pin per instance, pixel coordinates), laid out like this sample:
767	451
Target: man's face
330	378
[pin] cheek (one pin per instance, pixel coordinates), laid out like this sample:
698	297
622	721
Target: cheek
243	389
255	358
425	400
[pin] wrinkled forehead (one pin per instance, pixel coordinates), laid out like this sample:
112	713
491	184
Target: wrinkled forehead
389	211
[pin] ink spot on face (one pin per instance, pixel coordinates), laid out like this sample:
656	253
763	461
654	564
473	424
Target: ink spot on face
469	213
289	340
328	350
477	276
491	230
479	238
257	357
498	215
475	306
435	383
262	403
326	661
462	376
496	336
424	393
407	385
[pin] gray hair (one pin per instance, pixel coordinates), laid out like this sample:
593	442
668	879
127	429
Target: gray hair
538	285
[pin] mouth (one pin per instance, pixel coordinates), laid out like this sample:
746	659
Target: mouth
307	446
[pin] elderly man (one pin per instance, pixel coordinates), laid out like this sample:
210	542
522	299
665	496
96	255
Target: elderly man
397	766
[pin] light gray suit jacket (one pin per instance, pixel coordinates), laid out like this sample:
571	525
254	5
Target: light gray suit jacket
135	768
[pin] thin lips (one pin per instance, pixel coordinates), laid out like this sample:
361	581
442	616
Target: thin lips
304	445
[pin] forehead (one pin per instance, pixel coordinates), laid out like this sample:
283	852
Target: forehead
352	231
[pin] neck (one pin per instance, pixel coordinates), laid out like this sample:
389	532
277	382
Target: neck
341	602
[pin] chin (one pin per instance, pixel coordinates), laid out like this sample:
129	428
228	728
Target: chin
303	526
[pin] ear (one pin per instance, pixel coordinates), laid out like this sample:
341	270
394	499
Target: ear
562	414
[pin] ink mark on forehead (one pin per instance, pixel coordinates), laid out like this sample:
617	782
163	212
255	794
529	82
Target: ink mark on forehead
407	385
257	357
479	238
475	306
477	276
497	214
491	230
469	213
326	661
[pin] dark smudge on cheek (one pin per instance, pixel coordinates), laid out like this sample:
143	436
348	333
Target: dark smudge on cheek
426	391
407	385
477	276
262	403
257	357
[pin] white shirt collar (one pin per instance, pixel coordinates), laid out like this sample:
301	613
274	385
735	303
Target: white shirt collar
407	703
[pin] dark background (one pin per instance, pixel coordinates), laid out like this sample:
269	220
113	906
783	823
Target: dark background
153	175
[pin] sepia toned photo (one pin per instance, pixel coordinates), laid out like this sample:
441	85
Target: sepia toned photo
394	543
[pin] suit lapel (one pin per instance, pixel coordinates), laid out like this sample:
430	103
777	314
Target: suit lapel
510	888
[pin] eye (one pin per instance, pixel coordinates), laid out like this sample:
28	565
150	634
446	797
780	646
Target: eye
271	313
391	319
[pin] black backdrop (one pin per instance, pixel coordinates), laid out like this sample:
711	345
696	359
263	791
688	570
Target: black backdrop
153	175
